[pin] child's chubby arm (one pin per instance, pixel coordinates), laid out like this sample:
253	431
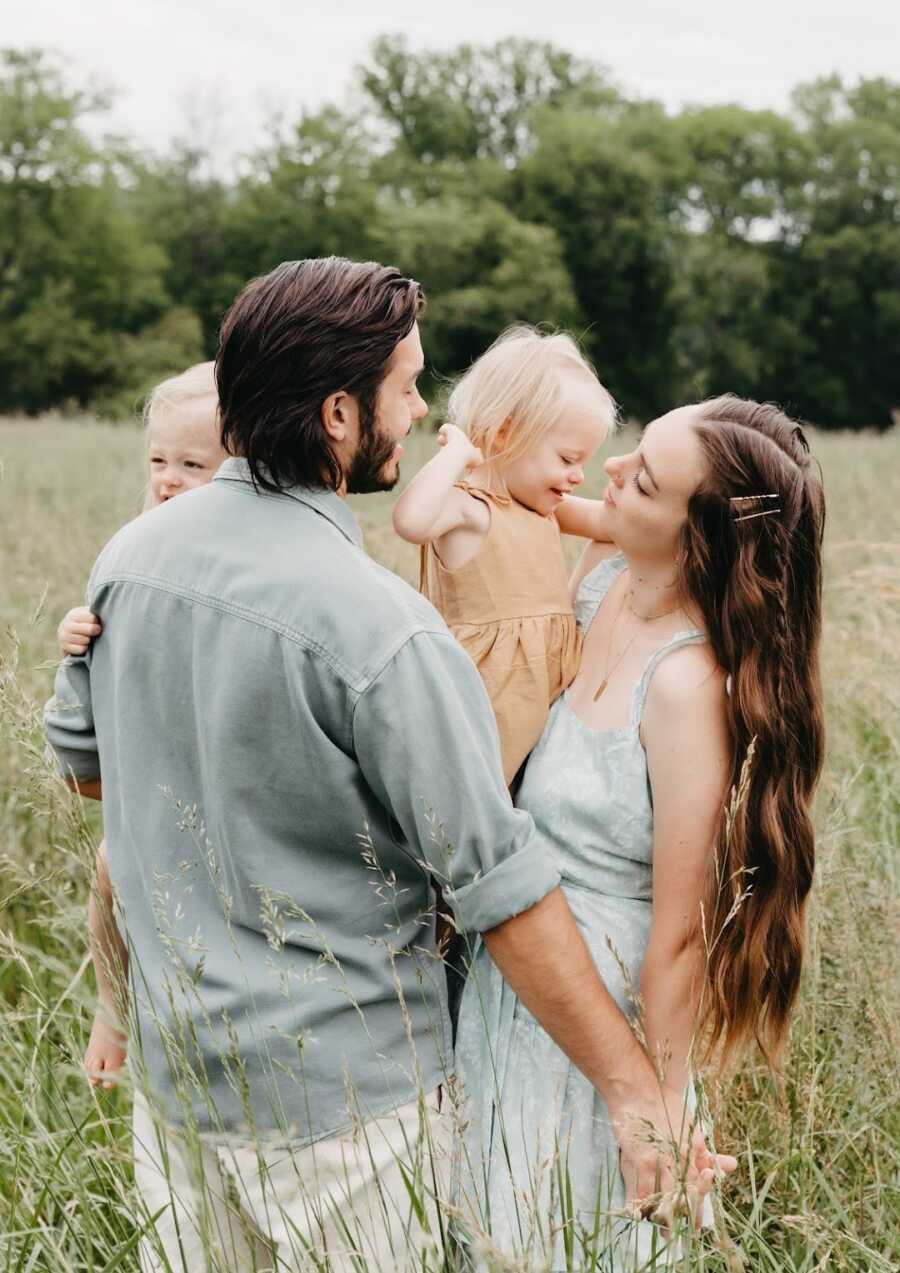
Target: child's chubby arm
107	1047
77	630
432	507
587	518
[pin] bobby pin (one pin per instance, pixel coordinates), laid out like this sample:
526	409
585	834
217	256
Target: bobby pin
742	499
749	516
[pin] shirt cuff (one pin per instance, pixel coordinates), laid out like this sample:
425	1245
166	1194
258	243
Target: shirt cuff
509	888
83	765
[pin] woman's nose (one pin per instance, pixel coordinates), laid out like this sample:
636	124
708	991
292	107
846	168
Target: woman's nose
613	466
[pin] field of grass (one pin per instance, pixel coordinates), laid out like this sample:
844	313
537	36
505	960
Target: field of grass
819	1146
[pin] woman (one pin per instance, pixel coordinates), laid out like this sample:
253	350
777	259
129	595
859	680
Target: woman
700	601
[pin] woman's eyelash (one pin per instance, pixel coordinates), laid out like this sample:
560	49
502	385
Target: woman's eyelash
637	484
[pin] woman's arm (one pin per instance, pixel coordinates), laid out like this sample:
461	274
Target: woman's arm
592	554
689	760
431	506
585	517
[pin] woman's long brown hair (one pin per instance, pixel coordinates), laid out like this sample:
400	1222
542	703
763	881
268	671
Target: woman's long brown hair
751	560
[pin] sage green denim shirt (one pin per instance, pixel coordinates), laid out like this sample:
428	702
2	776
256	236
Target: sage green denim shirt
292	745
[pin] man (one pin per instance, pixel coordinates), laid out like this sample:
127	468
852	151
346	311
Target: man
293	746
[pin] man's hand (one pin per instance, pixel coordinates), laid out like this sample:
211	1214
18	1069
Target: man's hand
77	630
664	1161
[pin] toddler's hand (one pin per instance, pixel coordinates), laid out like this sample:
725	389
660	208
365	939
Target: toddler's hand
77	630
458	445
105	1053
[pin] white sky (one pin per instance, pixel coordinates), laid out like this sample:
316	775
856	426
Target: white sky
236	60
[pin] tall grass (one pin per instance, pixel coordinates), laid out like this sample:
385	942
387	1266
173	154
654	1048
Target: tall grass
819	1145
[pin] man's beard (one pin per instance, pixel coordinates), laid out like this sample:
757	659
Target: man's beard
365	475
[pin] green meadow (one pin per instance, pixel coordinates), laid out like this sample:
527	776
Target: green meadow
818	1143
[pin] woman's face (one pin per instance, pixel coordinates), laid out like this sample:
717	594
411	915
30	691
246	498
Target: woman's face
649	488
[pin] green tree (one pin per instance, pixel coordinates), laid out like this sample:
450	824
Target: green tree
607	203
842	278
309	192
482	270
76	269
476	101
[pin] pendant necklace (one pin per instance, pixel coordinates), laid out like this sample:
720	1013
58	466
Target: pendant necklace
612	632
648	618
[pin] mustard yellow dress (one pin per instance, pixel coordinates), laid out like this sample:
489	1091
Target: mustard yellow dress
509	608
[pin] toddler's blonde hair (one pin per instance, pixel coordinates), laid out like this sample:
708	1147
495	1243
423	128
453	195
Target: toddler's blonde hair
521	382
188	388
192	385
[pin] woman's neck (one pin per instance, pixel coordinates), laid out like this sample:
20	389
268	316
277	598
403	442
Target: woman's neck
653	589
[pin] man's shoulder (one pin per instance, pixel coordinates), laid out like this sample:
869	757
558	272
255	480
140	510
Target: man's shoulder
275	565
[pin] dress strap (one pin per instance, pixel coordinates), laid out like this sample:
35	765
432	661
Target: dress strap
689	636
594	587
485	494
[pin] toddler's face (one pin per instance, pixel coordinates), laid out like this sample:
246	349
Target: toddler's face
554	466
184	450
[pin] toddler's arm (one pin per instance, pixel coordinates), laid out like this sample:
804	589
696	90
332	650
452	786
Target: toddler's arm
431	506
107	1046
585	517
77	630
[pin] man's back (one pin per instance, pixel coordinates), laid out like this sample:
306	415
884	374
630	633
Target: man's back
274	712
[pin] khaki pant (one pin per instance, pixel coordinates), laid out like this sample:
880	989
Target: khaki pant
342	1204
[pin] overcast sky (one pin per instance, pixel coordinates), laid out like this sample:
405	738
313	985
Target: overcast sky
239	60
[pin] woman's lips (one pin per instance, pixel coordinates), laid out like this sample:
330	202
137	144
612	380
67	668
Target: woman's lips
608	496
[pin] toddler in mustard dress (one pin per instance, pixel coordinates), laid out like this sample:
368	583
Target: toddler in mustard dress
524	421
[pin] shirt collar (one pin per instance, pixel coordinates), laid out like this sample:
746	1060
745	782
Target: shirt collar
318	498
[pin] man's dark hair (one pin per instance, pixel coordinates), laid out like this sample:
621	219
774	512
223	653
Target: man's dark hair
290	339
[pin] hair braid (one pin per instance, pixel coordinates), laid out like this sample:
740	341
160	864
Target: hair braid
753	565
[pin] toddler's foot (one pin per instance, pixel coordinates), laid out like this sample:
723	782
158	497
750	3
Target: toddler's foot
105	1053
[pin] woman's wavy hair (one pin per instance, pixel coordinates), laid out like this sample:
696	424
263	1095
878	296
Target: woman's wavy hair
751	559
291	339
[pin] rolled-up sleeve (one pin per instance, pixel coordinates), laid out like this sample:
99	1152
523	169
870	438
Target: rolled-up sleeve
69	721
426	742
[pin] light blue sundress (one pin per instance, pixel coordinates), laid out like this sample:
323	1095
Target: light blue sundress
540	1161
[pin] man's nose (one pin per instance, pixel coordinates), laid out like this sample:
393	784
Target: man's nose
420	410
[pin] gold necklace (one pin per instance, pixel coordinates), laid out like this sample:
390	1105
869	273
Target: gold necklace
612	632
648	618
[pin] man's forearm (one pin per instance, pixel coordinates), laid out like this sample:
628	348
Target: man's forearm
543	956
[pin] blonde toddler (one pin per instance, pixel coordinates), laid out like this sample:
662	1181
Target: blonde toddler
523	423
183	451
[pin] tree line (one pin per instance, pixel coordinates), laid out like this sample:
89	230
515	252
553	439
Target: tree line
717	248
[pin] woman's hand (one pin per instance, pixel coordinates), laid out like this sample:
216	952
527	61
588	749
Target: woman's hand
457	444
664	1160
77	630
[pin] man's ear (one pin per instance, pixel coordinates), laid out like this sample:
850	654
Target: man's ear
336	416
